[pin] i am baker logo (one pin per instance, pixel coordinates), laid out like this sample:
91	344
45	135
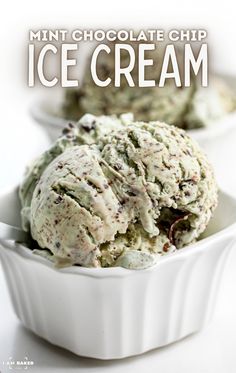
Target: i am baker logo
18	364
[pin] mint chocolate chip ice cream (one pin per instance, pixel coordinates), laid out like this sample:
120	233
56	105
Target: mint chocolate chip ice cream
185	107
120	197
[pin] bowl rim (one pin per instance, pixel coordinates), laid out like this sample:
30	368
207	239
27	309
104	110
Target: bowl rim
179	255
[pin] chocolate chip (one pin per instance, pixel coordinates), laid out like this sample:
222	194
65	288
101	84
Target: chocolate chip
60	165
65	131
123	201
89	127
166	247
118	166
131	193
58	200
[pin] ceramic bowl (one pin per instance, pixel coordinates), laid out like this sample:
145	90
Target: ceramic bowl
112	313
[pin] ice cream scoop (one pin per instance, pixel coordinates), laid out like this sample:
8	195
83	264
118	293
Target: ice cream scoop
139	192
185	107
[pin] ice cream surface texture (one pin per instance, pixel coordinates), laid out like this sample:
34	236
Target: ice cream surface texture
123	198
87	131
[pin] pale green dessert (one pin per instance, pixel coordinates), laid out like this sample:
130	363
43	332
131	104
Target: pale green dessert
185	107
125	198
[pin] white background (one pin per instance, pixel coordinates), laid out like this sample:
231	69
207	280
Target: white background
212	350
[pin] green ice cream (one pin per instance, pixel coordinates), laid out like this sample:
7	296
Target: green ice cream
185	107
122	197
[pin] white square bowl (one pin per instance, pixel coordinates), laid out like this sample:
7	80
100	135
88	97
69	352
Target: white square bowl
111	313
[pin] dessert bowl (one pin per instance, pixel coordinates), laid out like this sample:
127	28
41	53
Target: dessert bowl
111	313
